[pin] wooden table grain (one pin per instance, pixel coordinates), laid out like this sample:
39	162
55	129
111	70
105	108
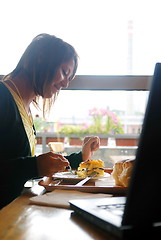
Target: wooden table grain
21	220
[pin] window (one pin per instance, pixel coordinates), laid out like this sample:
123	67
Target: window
74	107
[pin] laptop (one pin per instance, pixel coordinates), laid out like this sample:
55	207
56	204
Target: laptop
140	210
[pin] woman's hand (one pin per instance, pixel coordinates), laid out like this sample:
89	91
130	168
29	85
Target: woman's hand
90	144
49	163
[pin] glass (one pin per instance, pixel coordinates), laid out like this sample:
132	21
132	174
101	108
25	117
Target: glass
73	108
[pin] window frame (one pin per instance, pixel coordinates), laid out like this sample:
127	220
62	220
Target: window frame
110	82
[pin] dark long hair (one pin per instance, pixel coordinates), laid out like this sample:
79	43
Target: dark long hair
41	60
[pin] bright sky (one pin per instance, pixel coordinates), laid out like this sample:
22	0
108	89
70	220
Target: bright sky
96	28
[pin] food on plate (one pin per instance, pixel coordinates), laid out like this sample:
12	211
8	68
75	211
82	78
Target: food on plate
122	172
86	168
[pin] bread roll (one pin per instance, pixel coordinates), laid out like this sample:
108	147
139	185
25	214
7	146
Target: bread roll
86	168
122	172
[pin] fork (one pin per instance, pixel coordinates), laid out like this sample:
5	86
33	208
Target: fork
70	169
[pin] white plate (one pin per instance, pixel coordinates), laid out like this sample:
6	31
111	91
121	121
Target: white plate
72	177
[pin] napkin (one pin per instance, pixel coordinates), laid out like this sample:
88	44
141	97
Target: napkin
60	198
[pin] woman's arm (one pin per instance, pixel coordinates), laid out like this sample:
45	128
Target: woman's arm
90	144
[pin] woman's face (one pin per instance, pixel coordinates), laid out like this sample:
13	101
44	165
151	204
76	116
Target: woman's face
61	78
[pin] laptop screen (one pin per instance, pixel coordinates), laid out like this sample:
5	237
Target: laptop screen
143	205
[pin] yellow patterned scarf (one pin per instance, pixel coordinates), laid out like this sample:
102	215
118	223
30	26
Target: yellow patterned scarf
26	119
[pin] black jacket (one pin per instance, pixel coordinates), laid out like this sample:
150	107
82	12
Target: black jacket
16	163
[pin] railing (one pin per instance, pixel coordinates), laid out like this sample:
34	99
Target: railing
109	154
123	140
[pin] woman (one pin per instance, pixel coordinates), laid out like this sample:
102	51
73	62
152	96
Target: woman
47	65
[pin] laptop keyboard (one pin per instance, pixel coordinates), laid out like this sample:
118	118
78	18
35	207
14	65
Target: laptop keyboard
116	209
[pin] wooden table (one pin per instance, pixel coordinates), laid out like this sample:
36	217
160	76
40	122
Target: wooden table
22	221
